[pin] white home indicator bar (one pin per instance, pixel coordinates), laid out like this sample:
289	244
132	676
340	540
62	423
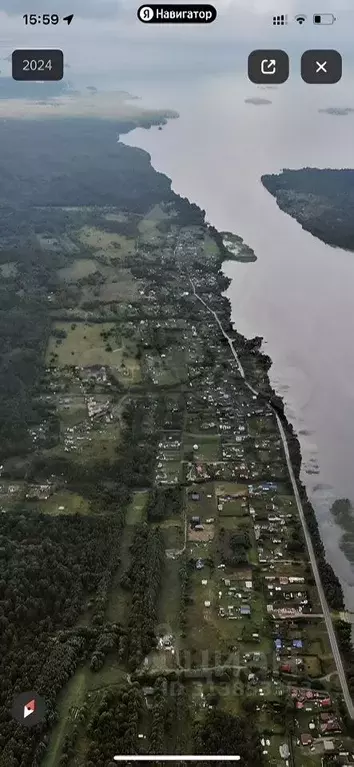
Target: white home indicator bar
169	758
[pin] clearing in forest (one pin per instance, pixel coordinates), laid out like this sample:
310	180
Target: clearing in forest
109	243
82	345
80	268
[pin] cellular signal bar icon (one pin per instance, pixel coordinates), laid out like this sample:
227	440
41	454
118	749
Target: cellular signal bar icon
280	21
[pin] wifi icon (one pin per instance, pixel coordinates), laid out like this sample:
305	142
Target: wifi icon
300	18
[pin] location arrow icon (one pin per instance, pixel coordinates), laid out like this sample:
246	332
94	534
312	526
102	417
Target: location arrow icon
68	18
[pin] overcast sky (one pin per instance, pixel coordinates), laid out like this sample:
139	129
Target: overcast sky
106	36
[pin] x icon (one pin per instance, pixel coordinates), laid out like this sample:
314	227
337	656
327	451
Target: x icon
321	67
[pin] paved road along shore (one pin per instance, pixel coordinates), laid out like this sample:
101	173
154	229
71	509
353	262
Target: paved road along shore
324	605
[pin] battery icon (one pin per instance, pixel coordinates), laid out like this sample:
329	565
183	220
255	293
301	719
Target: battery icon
324	18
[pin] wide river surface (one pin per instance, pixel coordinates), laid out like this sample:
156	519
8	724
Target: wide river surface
299	295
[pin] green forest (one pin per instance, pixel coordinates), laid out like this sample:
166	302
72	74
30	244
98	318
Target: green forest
321	200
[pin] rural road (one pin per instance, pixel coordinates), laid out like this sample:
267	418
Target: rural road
324	605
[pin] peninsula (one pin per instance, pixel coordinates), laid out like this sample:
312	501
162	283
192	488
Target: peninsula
321	200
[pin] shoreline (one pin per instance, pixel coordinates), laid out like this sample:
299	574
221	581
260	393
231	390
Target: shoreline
331	585
264	361
319	199
277	401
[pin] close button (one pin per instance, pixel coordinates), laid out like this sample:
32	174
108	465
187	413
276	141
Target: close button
321	66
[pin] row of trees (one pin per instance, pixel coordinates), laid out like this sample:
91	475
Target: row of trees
185	571
330	581
113	727
143	579
221	733
164	503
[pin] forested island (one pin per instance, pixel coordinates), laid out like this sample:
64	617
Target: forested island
321	200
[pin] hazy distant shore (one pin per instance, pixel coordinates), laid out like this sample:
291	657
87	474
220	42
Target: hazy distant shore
113	105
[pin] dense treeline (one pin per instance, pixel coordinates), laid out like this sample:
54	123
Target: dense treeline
188	212
185	571
143	579
159	714
233	547
344	631
220	733
48	569
320	200
163	503
103	483
330	582
137	453
66	177
113	727
24	332
181	719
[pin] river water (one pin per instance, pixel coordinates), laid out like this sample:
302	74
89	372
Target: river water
299	293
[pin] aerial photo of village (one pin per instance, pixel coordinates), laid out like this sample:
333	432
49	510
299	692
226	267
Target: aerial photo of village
185	609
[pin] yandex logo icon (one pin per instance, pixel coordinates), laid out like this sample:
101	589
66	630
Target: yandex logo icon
29	708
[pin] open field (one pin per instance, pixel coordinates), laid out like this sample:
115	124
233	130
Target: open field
235	508
148	231
312	665
119	216
231	523
156	214
121	286
82	346
80	268
167	369
136	509
8	270
210	246
201	501
61	244
73	412
208	446
119	598
108	243
83	685
125	368
101	443
169	603
62	503
72	695
231	488
172	533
